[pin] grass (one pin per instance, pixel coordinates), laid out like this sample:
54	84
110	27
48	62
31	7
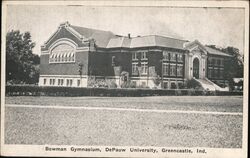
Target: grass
202	103
125	128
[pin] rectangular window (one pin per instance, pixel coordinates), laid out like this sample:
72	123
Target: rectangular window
172	70
172	56
78	83
209	62
135	68
71	82
144	55
216	73
218	62
54	80
222	63
213	61
179	57
179	70
67	82
59	82
165	85
44	81
113	60
165	69
165	55
134	56
50	81
144	66
221	73
209	73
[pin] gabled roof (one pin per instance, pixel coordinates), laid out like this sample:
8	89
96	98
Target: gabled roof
101	38
216	52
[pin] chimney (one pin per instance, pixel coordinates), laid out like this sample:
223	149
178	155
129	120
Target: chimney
129	36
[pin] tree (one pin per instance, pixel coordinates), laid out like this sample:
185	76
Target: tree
22	66
234	66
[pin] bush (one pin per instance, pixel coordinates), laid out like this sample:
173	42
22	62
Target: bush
193	84
101	83
128	84
12	90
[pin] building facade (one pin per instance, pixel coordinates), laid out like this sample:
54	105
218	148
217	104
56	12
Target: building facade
76	56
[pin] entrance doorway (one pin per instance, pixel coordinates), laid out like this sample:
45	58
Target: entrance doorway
196	68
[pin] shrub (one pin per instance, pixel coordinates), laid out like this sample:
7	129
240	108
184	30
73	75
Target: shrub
26	90
193	84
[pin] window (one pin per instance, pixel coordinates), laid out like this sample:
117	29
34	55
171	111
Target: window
67	82
221	73
179	70
53	81
218	62
180	85
222	63
172	56
144	55
59	82
172	70
71	82
165	69
216	73
165	85
213	61
73	57
134	56
113	60
62	81
62	53
50	81
173	85
134	68
179	57
78	83
144	66
165	55
209	73
44	81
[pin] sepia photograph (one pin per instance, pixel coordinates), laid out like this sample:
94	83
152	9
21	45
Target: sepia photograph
142	79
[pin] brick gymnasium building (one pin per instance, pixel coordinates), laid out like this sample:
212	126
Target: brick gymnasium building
75	56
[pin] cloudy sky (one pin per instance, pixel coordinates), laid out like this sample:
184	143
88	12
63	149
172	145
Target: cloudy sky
219	26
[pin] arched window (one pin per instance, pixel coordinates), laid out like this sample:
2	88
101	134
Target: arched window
63	52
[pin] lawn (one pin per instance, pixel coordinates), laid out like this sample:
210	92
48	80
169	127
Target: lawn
125	128
203	103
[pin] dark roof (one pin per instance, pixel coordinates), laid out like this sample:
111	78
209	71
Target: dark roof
107	39
102	38
215	52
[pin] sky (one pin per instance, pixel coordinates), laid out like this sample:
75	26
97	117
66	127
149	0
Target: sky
217	26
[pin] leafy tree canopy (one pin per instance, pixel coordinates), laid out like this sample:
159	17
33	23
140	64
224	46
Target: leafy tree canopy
22	66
